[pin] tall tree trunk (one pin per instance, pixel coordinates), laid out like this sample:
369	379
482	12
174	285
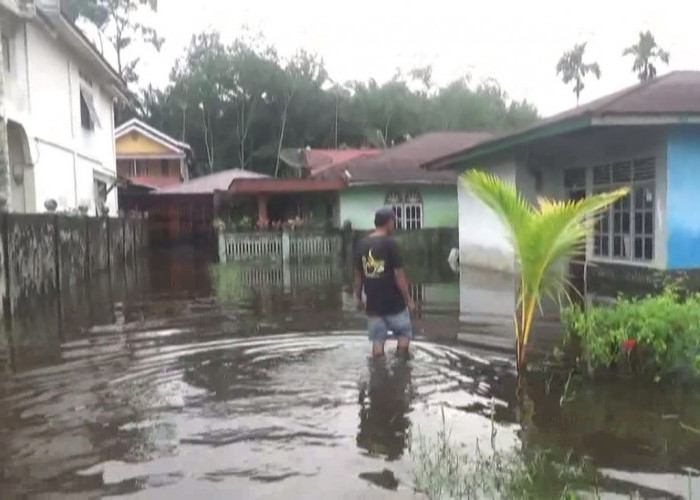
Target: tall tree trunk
208	140
241	136
211	140
284	125
184	123
5	180
337	103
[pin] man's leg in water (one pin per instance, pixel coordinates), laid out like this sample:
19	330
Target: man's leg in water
378	331
401	325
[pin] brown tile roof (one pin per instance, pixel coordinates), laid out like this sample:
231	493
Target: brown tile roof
152	181
401	163
320	159
676	93
218	181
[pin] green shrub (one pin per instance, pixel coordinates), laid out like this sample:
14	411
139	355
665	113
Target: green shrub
655	335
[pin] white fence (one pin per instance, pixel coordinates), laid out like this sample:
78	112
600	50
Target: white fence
249	246
256	275
277	246
313	245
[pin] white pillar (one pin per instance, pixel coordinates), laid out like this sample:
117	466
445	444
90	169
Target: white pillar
286	247
222	246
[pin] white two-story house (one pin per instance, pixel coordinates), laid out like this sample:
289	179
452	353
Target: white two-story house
58	103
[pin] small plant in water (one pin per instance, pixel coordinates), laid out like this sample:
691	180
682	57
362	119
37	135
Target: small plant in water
443	471
567	393
544	236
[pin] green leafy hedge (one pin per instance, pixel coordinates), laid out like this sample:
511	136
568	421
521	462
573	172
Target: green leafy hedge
655	335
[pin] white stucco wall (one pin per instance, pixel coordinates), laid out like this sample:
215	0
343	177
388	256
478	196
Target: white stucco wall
483	240
44	97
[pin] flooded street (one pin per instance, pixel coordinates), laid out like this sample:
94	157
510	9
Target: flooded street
175	378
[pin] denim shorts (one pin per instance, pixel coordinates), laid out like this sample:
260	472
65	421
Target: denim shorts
399	324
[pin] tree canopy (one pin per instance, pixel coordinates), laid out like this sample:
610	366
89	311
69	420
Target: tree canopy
572	69
118	18
239	104
645	53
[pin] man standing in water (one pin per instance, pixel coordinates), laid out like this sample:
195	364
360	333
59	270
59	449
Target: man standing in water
379	271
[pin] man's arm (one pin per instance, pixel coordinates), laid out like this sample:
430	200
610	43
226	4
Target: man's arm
402	285
358	287
400	275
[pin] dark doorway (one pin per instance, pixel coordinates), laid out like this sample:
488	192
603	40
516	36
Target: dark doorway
283	207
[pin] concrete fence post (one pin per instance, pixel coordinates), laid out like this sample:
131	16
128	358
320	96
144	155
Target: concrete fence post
6	291
88	250
286	247
123	221
109	245
222	245
57	254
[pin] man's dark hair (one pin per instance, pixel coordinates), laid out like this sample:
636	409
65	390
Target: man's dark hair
383	216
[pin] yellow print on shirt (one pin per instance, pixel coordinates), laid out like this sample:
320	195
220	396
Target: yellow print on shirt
374	268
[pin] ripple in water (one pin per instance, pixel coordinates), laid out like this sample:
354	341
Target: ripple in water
149	413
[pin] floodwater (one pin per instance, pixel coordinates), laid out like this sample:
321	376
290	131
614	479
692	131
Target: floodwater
173	378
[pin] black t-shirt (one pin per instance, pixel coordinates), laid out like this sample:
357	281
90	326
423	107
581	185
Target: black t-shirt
376	258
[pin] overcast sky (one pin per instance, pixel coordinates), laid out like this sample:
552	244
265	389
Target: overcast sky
514	41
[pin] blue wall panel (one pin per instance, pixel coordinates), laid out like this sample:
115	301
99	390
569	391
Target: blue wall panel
683	202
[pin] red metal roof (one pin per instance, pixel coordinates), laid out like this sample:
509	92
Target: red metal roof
218	181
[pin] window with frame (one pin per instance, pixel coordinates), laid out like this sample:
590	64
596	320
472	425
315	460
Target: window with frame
626	230
408	209
100	194
88	114
164	168
140	168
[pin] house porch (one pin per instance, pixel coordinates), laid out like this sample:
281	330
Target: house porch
277	203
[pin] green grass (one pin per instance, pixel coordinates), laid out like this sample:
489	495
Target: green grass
444	471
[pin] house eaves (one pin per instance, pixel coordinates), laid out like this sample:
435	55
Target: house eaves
60	27
136	125
642	119
670	99
506	143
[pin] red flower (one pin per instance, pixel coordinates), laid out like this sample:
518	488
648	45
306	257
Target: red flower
628	345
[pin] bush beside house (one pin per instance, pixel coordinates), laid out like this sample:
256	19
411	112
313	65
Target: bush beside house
652	336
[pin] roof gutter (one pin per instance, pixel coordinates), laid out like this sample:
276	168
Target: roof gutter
641	119
505	143
404	182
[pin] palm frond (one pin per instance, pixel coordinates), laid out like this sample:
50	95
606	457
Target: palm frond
544	237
